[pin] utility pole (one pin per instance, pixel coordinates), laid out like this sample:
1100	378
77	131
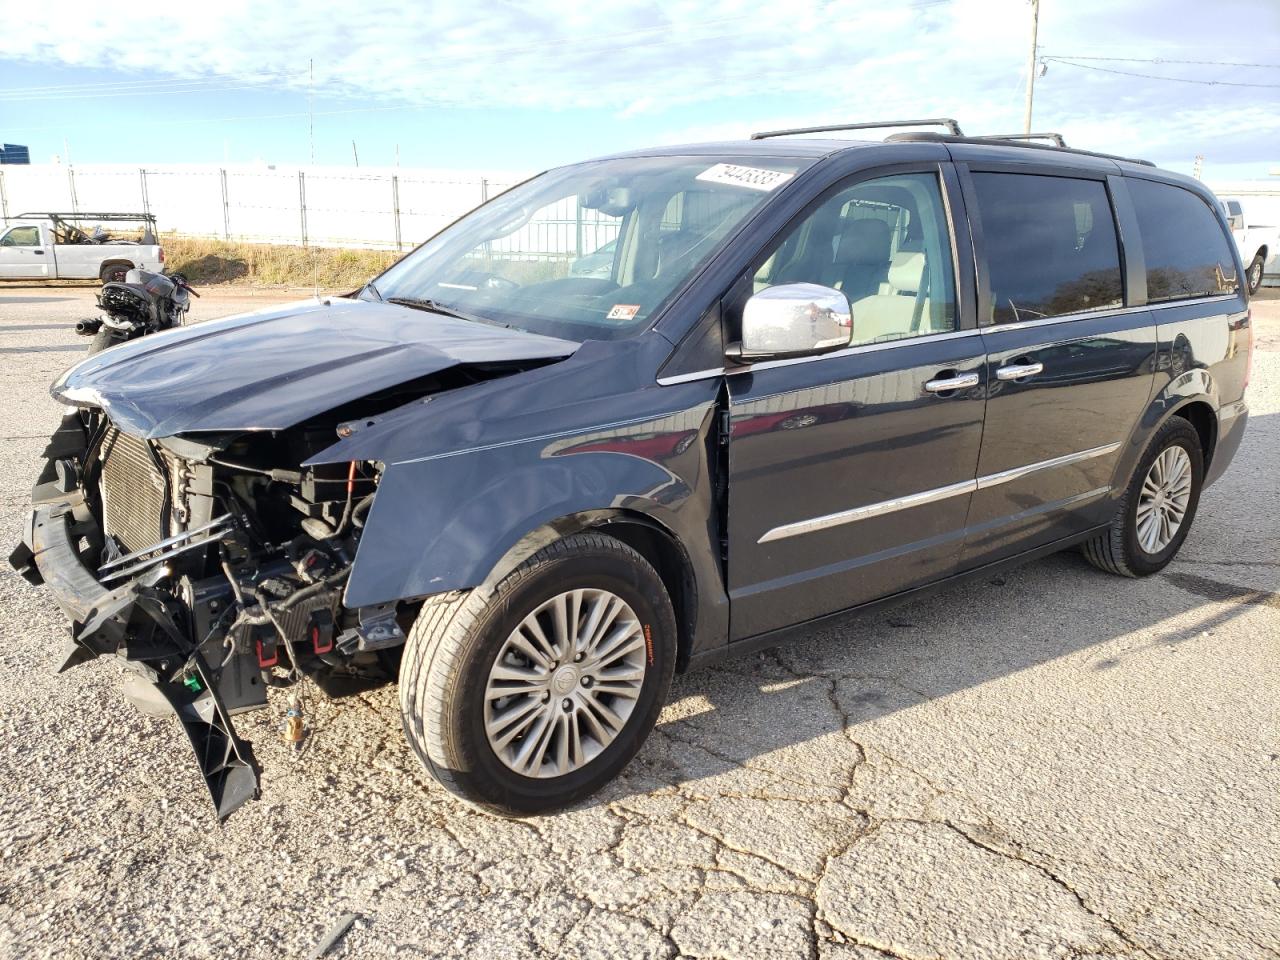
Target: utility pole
1031	64
355	153
1199	167
311	116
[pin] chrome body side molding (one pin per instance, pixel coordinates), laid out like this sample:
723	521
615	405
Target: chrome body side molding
855	514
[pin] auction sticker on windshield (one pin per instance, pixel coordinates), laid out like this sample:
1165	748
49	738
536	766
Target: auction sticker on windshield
623	311
753	178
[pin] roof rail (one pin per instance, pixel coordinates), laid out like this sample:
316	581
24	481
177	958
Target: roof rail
1054	138
1020	144
947	122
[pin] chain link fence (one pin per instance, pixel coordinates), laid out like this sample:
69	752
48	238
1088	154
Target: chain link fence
384	208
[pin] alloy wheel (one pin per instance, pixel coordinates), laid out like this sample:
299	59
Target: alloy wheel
564	683
1164	499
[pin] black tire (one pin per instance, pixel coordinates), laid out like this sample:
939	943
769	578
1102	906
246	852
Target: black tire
1253	274
114	272
1118	550
458	636
103	339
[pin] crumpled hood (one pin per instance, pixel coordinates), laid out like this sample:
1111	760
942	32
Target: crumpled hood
272	369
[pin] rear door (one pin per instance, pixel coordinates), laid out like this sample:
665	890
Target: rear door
850	473
1069	361
23	254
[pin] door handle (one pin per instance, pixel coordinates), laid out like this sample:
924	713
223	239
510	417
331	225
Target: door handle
38	253
1019	370
960	381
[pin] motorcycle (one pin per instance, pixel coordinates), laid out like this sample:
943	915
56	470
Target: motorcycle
143	303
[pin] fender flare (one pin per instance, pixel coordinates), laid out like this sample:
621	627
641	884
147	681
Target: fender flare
1195	386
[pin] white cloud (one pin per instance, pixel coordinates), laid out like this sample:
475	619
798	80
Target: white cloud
843	59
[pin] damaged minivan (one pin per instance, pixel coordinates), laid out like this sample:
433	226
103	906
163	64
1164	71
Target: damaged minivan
635	414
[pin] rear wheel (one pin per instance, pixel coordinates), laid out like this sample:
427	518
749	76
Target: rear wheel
1155	514
1253	274
533	695
114	272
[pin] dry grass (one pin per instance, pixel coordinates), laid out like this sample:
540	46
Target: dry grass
205	262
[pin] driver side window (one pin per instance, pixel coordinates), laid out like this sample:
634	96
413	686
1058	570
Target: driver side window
21	237
884	244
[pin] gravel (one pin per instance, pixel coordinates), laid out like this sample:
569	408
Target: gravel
1051	762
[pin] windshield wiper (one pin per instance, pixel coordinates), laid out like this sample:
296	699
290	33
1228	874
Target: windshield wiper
435	306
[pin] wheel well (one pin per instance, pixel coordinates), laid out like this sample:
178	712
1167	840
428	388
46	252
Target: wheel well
1262	252
1201	416
668	558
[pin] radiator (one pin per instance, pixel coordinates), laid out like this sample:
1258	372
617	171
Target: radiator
133	493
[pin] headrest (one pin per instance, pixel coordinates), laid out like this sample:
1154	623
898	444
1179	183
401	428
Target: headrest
864	242
675	244
906	270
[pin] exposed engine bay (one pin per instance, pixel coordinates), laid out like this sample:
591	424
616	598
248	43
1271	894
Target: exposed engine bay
214	564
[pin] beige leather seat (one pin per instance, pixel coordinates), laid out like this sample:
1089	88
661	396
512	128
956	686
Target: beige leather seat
892	312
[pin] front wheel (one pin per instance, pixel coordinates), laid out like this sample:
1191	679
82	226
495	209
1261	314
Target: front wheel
1154	517
1253	274
533	695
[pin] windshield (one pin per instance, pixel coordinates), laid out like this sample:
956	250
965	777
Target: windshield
588	252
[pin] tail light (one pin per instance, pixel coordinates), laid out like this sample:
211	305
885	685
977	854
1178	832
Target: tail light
162	254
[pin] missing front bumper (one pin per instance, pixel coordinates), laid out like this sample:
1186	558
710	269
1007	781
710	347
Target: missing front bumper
137	623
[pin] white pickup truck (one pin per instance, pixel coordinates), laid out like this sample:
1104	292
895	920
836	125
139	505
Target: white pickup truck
78	246
1258	243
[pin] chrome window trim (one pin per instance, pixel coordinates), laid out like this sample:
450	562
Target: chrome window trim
932	337
1109	312
855	514
792	361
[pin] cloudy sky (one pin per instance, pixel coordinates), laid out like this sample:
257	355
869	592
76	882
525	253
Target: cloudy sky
523	84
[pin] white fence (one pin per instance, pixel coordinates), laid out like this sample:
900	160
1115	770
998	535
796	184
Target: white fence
391	208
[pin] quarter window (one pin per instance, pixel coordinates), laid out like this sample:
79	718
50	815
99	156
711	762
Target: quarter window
1185	247
1050	244
884	244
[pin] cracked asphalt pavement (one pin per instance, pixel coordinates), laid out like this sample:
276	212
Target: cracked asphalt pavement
1052	762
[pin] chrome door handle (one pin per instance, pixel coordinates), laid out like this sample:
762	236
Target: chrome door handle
959	382
1019	370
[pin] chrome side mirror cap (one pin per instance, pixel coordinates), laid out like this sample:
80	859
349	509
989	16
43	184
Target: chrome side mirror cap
794	320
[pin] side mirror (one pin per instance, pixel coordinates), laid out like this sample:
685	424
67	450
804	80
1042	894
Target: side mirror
794	320
1237	221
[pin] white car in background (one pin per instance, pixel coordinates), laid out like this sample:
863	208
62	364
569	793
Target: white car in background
78	246
1258	243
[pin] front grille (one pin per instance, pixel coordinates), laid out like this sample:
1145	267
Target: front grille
133	492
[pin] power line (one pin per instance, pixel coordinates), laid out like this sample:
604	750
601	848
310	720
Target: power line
1204	63
151	82
4	98
1152	76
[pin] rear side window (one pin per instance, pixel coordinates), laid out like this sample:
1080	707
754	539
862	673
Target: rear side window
1051	246
1186	249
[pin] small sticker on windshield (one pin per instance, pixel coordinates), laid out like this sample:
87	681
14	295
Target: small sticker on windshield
753	178
623	311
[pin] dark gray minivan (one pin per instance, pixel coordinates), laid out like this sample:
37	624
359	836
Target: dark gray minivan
815	375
